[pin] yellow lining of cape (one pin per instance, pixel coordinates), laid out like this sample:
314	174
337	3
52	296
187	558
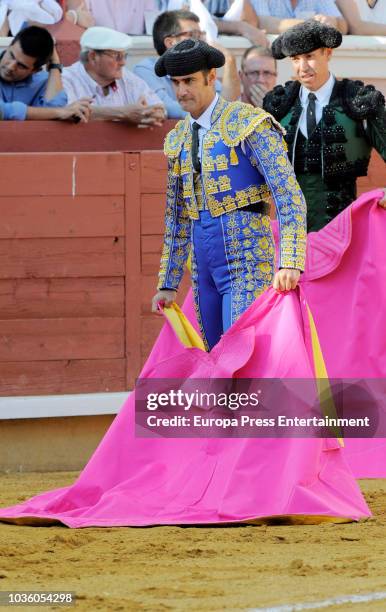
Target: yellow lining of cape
321	376
183	328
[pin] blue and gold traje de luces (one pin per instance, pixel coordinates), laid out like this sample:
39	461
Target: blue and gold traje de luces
243	162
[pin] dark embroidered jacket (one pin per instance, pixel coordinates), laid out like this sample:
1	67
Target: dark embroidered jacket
339	149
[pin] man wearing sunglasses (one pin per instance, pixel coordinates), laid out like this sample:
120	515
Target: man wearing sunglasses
170	28
101	74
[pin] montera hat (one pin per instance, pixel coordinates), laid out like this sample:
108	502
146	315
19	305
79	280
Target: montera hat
304	38
104	38
187	57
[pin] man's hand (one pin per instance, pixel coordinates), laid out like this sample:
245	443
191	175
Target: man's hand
327	20
383	201
143	115
164	297
286	279
77	111
254	35
257	92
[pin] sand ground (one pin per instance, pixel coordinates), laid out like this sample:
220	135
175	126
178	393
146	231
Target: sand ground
193	568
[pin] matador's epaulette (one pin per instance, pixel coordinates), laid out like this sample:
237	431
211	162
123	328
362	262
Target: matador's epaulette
239	120
280	100
360	101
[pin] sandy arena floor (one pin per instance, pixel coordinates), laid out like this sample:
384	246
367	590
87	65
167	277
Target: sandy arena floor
206	569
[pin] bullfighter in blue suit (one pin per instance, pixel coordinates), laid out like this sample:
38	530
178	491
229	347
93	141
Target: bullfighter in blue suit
225	160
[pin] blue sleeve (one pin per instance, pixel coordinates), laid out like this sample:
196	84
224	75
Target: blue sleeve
13	111
176	245
39	99
267	152
59	100
156	84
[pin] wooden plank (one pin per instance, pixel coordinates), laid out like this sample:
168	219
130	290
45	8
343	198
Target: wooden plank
61	257
152	214
61	216
45	339
133	265
56	377
151	254
99	174
61	174
57	298
153	172
43	136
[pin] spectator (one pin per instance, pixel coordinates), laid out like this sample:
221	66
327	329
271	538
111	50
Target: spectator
243	24
258	75
276	16
364	17
14	13
170	28
26	91
117	93
127	16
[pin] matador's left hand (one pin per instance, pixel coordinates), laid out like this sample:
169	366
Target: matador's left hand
383	201
286	279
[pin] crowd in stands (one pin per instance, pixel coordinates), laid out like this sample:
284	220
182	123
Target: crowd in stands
99	86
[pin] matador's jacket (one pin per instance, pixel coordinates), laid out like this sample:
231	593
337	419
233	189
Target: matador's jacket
328	163
243	161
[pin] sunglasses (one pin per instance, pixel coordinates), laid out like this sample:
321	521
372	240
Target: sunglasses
118	56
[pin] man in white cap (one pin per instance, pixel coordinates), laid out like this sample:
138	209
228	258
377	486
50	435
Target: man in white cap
117	94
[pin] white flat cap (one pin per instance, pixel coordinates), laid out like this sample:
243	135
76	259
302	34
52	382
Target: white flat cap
104	38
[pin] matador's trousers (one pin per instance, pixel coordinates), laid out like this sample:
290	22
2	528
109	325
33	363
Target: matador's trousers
232	263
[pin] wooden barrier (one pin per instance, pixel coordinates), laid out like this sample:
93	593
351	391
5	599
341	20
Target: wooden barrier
80	242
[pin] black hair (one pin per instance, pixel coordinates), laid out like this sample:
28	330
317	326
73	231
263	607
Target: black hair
37	43
167	24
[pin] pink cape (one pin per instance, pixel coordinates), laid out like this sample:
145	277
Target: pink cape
147	481
345	287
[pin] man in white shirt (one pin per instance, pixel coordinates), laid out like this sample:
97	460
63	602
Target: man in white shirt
331	125
117	94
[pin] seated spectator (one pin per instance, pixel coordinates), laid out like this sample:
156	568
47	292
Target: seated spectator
170	28
364	17
26	91
14	13
117	94
258	74
243	23
276	16
127	16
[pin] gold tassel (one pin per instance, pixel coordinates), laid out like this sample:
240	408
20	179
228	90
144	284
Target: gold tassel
176	167
234	158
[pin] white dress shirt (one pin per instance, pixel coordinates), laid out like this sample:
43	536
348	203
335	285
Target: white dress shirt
77	83
323	95
204	122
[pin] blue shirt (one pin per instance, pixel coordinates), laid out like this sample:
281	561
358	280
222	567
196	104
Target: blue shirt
163	87
16	97
283	9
